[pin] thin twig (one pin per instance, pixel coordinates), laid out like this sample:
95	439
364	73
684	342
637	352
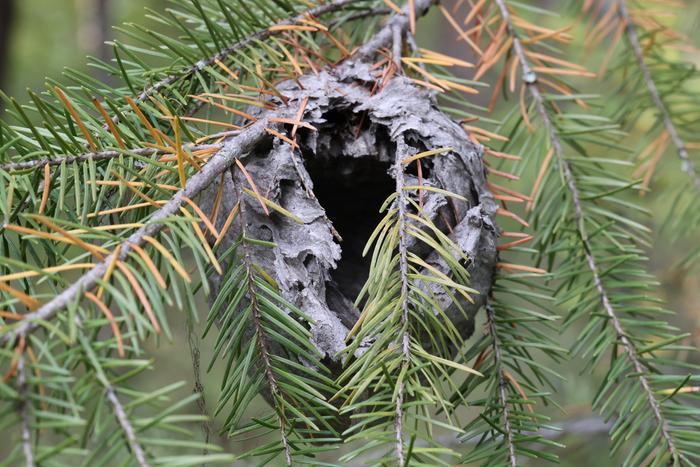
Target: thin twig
225	53
255	311
397	45
23	409
530	80
360	15
94	156
218	163
117	407
385	36
193	343
583	428
222	135
411	41
391	33
403	271
502	396
686	162
126	426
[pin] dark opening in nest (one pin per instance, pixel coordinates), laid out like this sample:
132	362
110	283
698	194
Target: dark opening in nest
351	192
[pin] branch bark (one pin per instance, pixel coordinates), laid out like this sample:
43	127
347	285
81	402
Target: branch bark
24	412
403	271
126	426
95	156
385	36
263	345
502	396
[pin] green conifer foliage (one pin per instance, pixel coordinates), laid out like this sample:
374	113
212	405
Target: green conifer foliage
127	208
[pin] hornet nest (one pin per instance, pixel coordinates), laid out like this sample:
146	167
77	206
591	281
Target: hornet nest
337	180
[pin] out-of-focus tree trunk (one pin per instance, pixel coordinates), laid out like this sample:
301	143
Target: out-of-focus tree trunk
103	26
7	8
94	29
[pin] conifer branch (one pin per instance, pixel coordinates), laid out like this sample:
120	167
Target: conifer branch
231	150
117	407
257	325
126	426
198	387
23	410
226	52
631	31
403	272
530	80
385	36
361	15
502	396
95	156
397	44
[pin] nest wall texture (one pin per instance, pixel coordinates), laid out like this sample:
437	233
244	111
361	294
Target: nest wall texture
337	180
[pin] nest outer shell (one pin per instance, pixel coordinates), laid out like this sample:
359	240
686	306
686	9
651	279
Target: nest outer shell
400	117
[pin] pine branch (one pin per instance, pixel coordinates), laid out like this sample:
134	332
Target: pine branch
361	15
392	34
118	408
23	409
95	156
193	344
385	36
228	51
257	325
503	397
403	274
395	373
509	424
232	149
530	80
633	38
235	147
126	426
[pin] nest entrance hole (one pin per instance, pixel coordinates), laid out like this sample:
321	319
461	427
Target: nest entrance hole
351	190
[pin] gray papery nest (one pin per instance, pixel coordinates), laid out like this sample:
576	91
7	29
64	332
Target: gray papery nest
342	173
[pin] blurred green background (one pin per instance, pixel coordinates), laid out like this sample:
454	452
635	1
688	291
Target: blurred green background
48	35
